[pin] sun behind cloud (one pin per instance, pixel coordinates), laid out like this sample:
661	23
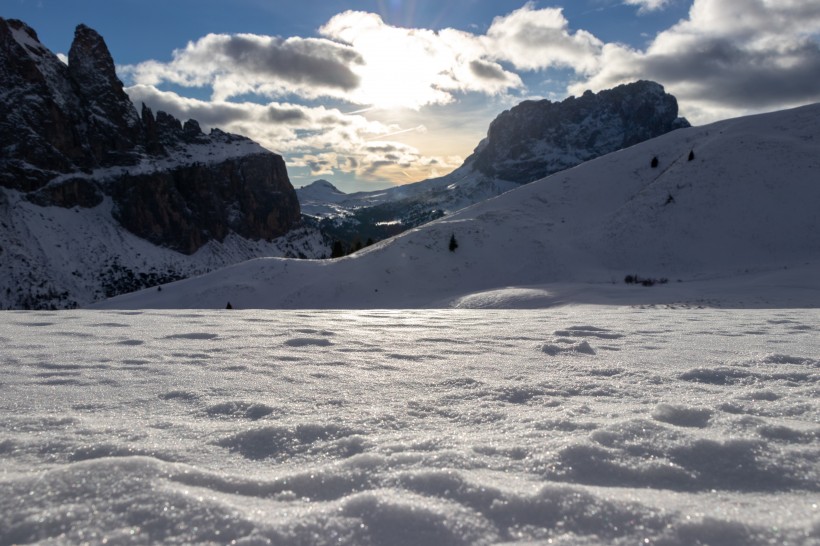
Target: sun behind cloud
411	68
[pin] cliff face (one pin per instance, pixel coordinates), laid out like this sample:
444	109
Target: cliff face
184	207
70	137
537	138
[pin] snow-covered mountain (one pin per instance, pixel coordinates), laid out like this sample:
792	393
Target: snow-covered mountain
82	173
528	142
735	198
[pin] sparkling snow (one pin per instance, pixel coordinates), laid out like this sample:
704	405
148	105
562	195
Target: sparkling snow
575	425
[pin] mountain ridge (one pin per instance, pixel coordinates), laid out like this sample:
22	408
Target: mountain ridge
529	141
71	139
744	204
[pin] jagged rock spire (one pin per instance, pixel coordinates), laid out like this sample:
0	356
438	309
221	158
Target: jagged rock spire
92	70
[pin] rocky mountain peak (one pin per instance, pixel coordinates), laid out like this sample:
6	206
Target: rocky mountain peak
92	71
89	59
70	135
538	138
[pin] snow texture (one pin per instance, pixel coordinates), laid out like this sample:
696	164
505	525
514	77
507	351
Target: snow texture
437	427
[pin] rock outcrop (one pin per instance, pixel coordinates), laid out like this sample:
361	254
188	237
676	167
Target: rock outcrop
538	138
70	137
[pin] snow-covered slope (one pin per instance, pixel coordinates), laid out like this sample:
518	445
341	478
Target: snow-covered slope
746	202
531	140
53	257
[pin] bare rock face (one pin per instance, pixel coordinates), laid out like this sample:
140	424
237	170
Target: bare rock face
70	136
537	138
114	128
184	207
42	128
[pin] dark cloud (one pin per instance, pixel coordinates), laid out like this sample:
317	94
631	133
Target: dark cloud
487	71
721	73
296	60
286	115
382	148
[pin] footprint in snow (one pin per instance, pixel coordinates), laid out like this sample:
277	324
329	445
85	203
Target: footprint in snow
308	341
588	331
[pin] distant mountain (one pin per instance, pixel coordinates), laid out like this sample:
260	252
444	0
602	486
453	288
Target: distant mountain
735	199
539	138
71	140
528	142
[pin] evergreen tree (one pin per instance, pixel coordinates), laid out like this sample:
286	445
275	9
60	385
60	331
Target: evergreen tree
453	243
654	162
338	250
691	155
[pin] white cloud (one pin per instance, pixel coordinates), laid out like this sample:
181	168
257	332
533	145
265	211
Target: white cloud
648	5
324	140
411	68
233	65
533	39
363	60
729	57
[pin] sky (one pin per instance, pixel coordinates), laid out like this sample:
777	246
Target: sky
376	93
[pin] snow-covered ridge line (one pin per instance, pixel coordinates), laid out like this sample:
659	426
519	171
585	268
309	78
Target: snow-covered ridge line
210	153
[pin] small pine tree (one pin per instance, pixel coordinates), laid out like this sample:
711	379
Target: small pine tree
453	243
691	155
338	250
369	241
654	162
229	306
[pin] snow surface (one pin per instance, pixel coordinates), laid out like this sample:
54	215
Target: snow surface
56	249
742	213
579	425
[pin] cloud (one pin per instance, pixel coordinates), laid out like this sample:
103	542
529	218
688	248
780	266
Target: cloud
411	68
730	57
325	141
246	63
648	5
537	39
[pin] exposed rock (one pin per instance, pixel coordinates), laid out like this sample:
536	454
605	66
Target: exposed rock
185	207
70	193
69	135
538	138
42	130
113	124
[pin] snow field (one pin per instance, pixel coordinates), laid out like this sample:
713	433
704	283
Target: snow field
576	425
